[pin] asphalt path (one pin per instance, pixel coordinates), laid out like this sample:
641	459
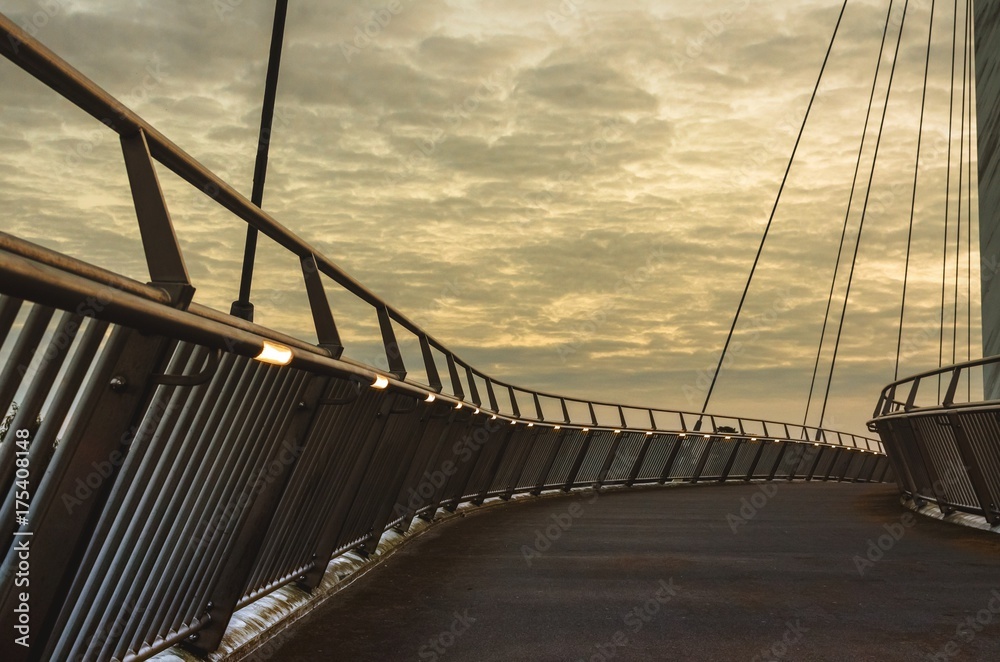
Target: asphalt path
783	571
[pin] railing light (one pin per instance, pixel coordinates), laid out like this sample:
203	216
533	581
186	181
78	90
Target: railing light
430	397
681	435
649	434
477	411
708	436
493	417
586	429
380	382
458	405
618	431
728	438
753	438
531	425
558	427
274	354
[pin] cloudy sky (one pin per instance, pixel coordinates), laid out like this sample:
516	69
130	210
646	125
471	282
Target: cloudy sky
569	193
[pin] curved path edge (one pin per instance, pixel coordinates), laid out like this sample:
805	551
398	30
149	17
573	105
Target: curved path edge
258	630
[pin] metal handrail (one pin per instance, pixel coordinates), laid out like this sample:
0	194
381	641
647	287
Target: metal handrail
49	68
176	479
889	404
133	299
945	453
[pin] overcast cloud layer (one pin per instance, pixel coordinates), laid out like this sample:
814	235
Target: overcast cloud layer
568	193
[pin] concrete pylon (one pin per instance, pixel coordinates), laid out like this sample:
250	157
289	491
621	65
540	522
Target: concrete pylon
987	37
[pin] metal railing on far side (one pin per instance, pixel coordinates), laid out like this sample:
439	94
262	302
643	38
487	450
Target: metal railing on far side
943	438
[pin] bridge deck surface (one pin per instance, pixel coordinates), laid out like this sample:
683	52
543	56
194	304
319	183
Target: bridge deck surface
785	586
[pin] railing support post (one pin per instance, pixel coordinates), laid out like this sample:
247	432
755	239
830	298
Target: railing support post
703	459
669	465
731	461
633	473
886	466
578	462
504	443
469	466
164	259
434	438
522	462
326	328
332	528
227	591
113	404
383	515
974	470
549	461
896	459
815	463
606	467
837	455
782	447
756	460
919	459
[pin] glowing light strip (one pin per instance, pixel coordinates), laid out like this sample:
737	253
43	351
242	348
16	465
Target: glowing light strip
274	354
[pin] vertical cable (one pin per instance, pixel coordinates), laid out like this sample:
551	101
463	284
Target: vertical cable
913	200
968	227
947	196
847	215
961	176
864	213
770	220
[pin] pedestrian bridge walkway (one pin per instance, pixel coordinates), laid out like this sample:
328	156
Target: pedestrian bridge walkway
783	571
168	465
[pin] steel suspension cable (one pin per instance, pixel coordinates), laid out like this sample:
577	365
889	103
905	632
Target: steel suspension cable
961	175
847	215
864	213
968	226
770	220
947	196
913	200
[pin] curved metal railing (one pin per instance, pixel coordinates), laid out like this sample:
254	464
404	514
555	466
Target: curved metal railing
912	393
467	383
167	464
943	438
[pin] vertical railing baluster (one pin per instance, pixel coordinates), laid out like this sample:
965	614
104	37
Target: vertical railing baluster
578	462
602	475
332	528
703	459
730	461
633	473
671	458
752	471
228	589
549	461
115	399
